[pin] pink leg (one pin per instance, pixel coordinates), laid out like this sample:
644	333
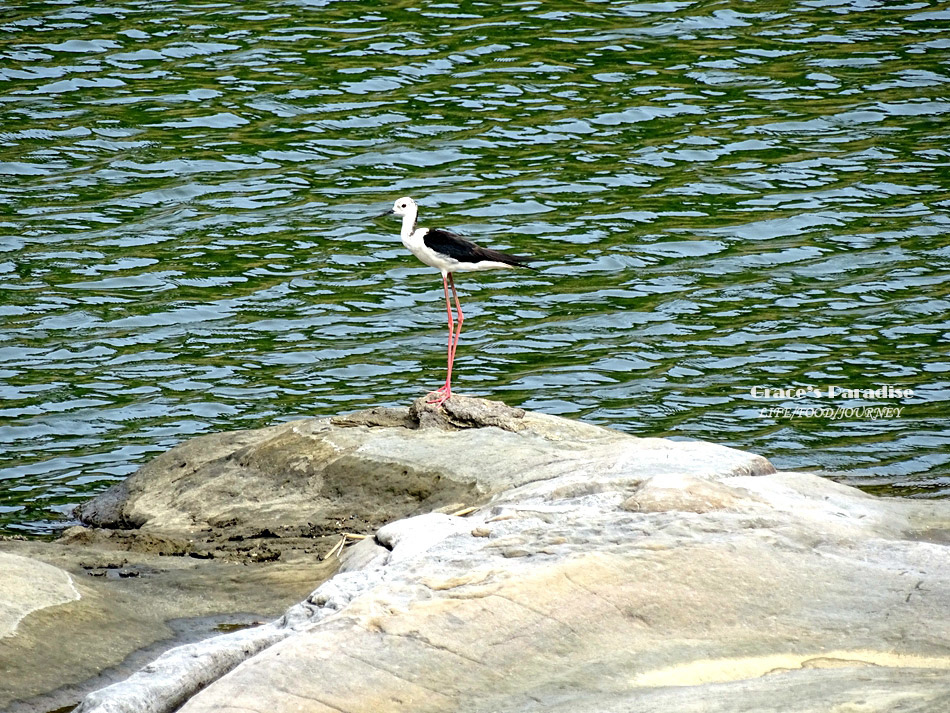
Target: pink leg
445	391
458	329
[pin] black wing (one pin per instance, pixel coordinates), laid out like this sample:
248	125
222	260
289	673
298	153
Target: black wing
455	246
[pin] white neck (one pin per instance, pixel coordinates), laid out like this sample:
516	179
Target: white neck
409	222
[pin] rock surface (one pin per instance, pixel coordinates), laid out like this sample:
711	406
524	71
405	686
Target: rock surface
311	477
27	586
598	572
90	615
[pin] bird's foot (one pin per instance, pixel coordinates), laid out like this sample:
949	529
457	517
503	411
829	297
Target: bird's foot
439	396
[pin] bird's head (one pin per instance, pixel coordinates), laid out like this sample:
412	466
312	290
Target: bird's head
404	206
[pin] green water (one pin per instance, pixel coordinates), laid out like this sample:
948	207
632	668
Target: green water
720	196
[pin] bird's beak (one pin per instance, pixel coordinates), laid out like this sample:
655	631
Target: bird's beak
388	212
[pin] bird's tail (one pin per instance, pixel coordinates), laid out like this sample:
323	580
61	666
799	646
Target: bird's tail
507	258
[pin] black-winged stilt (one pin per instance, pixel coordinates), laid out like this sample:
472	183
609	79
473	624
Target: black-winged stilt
448	252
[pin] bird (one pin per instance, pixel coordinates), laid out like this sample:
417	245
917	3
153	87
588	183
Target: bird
448	253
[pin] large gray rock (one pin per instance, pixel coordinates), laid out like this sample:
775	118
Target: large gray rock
232	527
363	470
600	572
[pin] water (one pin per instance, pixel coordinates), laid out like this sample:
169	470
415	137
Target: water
721	196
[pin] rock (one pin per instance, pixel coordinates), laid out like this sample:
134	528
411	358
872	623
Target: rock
675	491
377	416
82	613
27	586
464	412
456	413
599	572
358	472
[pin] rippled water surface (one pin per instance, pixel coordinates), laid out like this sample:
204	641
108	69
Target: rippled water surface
721	195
